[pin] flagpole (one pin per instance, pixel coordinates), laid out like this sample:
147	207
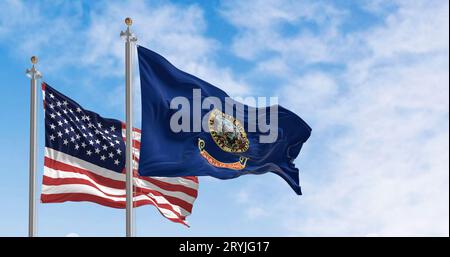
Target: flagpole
34	75
129	40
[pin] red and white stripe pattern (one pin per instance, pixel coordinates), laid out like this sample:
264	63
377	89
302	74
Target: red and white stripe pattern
67	178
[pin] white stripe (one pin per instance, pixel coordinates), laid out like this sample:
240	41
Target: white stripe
136	135
76	162
53	173
86	189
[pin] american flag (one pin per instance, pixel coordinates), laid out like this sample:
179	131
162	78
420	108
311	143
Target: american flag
85	161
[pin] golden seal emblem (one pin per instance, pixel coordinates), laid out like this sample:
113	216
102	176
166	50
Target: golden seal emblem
227	132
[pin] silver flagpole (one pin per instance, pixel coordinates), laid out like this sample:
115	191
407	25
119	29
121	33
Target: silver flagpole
34	75
129	40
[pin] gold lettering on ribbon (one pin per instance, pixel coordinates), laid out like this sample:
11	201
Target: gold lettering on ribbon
239	165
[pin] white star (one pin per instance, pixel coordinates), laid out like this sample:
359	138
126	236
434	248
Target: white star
117	142
111	143
52	115
65	103
60	123
83	118
58	104
59	134
77	136
52	126
90	134
116	162
77	146
65	142
65	111
67	131
106	131
76	118
89	152
72	129
83	145
102	157
78	109
97	131
97	150
70	110
118	151
91	142
90	125
51	106
113	128
65	121
111	155
58	113
105	147
97	141
99	125
83	127
52	137
51	95
72	139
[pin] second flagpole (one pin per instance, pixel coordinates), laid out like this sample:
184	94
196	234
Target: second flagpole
130	39
34	75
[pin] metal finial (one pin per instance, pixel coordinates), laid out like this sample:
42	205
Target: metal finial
34	59
128	21
127	34
33	72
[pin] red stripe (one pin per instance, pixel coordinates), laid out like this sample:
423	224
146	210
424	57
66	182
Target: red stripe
171	199
60	166
138	190
124	126
57	165
49	181
43	89
192	178
171	187
80	197
71	181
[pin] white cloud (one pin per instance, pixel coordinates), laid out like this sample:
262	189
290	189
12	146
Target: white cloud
261	26
72	235
65	40
381	122
186	45
256	212
319	90
386	171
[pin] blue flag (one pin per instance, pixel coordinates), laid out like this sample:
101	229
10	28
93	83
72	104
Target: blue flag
192	128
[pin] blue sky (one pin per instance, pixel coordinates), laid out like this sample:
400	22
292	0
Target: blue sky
370	77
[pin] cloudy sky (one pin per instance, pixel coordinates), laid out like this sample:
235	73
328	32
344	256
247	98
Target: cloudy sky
370	77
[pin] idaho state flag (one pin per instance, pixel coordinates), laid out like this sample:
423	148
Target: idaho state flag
187	130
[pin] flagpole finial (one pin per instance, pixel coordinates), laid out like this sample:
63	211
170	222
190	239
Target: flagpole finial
34	59
127	34
128	21
33	73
